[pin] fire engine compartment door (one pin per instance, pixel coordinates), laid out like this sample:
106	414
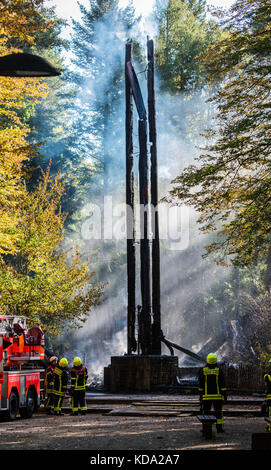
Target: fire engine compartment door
4	393
1	361
22	391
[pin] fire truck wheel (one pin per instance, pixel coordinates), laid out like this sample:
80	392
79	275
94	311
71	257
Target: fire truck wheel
27	411
13	406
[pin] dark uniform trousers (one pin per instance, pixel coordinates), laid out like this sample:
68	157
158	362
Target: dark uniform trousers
60	387
211	388
78	387
218	410
79	399
49	382
267	379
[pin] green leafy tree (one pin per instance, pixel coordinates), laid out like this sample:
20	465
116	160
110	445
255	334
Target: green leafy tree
184	34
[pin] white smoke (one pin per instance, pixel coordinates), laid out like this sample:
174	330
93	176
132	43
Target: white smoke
104	334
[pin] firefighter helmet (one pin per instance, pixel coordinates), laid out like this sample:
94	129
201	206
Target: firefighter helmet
63	362
52	359
211	359
77	362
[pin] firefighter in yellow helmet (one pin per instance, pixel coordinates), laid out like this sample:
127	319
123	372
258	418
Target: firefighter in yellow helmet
212	390
267	379
79	376
49	382
61	378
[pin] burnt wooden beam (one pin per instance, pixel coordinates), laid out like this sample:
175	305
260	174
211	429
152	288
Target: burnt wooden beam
156	302
131	259
142	113
144	239
172	346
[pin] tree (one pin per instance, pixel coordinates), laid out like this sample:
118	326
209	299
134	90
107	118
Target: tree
97	45
37	278
230	186
80	122
184	34
21	19
40	281
15	95
51	123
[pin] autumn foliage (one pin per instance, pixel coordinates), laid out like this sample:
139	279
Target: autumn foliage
37	278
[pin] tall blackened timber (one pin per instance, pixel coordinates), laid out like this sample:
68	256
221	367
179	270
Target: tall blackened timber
145	329
146	370
156	303
146	337
131	260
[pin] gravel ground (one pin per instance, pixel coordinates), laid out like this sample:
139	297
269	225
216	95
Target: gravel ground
81	438
100	432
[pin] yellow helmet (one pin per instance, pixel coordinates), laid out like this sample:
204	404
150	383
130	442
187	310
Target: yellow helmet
211	359
63	362
77	362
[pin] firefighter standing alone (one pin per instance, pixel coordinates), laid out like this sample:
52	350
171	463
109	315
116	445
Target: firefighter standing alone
79	375
212	390
60	385
49	383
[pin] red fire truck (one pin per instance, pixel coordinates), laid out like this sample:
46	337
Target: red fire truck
21	372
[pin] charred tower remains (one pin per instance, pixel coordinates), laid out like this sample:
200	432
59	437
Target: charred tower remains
143	368
149	313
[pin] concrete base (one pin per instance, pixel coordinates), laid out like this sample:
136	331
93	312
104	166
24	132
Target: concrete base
138	373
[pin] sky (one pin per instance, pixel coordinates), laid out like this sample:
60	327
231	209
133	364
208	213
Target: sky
69	8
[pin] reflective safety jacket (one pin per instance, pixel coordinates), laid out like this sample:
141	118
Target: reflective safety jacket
60	384
267	379
79	376
49	379
211	383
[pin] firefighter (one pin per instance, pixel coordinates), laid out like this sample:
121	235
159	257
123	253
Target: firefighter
61	378
267	379
211	389
79	375
49	382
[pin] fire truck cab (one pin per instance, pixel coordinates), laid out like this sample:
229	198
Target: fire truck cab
21	353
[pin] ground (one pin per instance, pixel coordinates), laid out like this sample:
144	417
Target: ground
98	431
93	432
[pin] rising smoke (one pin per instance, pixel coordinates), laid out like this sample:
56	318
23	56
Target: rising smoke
185	276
